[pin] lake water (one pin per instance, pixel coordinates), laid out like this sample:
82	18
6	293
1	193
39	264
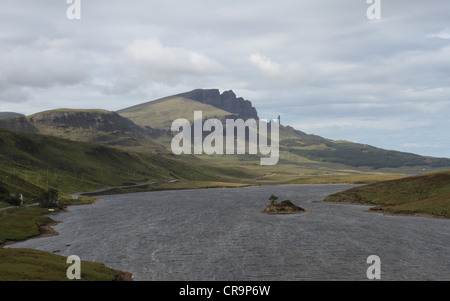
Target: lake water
215	234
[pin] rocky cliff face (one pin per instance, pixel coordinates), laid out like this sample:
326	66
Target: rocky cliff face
104	121
226	101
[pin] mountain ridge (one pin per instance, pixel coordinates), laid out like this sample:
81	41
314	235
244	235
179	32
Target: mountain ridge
88	125
146	127
226	101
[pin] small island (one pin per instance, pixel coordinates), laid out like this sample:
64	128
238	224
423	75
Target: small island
285	207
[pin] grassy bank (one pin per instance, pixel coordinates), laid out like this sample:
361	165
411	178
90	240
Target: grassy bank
22	222
32	163
427	195
350	178
34	265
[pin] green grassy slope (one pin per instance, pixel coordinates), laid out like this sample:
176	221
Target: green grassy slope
18	123
161	113
97	126
427	194
34	265
30	163
21	223
357	155
89	125
296	147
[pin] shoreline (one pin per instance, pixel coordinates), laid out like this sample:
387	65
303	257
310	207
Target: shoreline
48	231
416	214
283	213
385	212
317	201
44	231
231	186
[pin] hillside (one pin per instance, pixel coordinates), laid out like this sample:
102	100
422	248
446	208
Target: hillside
97	126
309	152
30	163
356	155
427	194
44	266
145	128
161	113
18	123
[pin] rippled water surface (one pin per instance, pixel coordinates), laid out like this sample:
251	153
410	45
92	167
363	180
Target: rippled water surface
215	234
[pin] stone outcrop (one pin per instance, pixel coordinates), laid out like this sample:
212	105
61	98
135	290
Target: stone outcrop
104	121
226	101
285	207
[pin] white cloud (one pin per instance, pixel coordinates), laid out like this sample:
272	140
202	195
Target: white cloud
290	72
162	62
44	65
45	42
445	35
265	65
9	94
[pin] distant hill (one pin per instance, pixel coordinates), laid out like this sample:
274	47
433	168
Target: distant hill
4	115
427	194
68	119
146	128
357	155
296	147
97	126
19	124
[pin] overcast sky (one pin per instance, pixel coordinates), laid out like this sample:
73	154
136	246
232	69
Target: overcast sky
321	64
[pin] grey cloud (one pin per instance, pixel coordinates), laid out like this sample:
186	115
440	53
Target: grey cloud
163	62
11	94
319	59
35	67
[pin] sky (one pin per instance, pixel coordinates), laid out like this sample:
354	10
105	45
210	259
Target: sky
323	65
